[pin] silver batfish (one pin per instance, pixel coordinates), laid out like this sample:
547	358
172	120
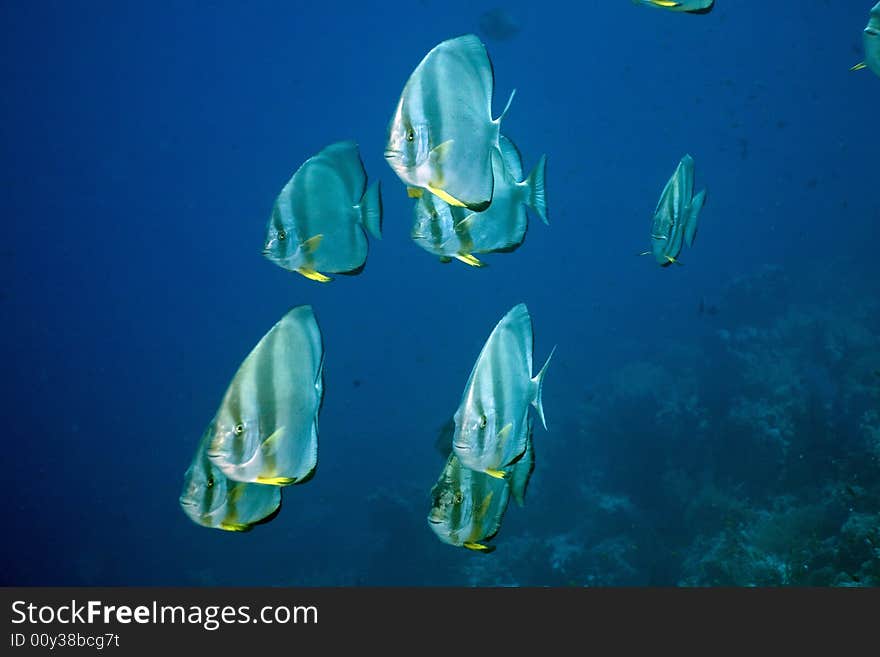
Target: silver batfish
320	219
453	232
676	215
442	133
871	42
212	500
467	506
491	420
266	429
686	6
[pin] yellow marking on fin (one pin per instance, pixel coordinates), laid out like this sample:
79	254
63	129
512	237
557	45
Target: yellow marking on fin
311	245
477	547
446	197
505	431
468	259
415	192
670	259
664	3
498	474
234	526
313	275
859	66
275	481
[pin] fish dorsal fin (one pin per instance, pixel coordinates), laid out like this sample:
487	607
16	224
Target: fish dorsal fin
345	160
506	108
538	384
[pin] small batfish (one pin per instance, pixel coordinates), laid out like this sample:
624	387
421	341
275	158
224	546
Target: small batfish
448	231
491	420
442	133
266	429
871	42
467	506
687	6
212	500
320	219
676	215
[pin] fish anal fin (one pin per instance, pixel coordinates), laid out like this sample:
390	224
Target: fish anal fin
313	275
451	200
275	481
478	547
468	259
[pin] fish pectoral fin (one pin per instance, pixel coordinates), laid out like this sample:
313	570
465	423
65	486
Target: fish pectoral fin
859	66
478	547
415	192
441	151
664	3
504	434
272	441
498	474
313	275
436	191
311	245
468	259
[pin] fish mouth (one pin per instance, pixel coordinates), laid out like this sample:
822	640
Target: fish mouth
461	446
187	503
435	522
391	153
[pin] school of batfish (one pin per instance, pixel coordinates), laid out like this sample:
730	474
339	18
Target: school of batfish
470	198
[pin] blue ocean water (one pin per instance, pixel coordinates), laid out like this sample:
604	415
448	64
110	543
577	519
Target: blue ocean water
715	423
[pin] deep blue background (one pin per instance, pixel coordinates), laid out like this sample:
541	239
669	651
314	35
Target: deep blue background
143	147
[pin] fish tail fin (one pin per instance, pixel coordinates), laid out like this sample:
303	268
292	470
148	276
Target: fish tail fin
859	66
690	228
538	383
506	108
537	199
371	210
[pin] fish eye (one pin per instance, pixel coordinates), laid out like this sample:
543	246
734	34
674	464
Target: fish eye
483	421
282	235
458	497
210	482
410	135
239	429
